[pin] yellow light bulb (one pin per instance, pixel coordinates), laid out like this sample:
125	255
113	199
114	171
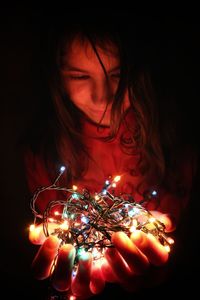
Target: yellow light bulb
64	225
74	187
32	227
152	219
117	178
132	228
167	248
170	240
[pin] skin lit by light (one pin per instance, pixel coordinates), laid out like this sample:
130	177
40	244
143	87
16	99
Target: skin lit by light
167	247
54	265
98	262
96	197
132	229
86	87
36	235
35	230
133	226
72	297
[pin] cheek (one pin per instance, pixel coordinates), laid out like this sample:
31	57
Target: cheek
113	87
78	94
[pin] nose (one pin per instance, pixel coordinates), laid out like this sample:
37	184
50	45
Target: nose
101	92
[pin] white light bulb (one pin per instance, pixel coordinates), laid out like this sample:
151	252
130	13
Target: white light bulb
62	169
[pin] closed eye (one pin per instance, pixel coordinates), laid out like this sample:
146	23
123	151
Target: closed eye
78	77
115	75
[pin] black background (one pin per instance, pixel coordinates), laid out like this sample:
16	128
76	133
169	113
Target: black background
172	52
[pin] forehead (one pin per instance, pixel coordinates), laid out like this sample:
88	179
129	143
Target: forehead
81	53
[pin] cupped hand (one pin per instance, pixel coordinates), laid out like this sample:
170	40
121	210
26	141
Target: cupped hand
57	262
133	260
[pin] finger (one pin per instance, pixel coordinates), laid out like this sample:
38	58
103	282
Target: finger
167	219
44	258
118	265
135	259
125	277
61	280
107	272
37	235
80	283
151	247
97	282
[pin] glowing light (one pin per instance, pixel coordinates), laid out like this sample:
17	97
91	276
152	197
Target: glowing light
62	169
117	178
64	225
74	187
82	253
72	297
167	248
51	220
152	219
104	192
170	240
32	227
88	221
85	219
133	228
75	196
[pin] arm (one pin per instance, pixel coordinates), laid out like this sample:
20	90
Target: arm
136	272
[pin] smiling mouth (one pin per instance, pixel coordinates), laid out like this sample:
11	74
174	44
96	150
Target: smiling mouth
100	110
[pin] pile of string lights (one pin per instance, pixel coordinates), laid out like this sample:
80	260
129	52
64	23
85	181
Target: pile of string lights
87	221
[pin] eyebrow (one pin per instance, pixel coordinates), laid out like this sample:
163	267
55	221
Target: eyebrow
76	69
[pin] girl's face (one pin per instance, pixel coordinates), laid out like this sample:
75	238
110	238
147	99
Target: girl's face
85	81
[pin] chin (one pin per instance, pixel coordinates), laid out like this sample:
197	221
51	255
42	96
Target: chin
98	120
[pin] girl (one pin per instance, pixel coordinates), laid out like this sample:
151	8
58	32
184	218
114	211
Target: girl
103	120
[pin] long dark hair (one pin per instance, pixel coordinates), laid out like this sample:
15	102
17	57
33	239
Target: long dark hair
63	144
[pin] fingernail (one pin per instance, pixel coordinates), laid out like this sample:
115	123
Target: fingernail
137	237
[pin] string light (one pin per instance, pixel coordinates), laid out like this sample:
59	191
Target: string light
87	221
